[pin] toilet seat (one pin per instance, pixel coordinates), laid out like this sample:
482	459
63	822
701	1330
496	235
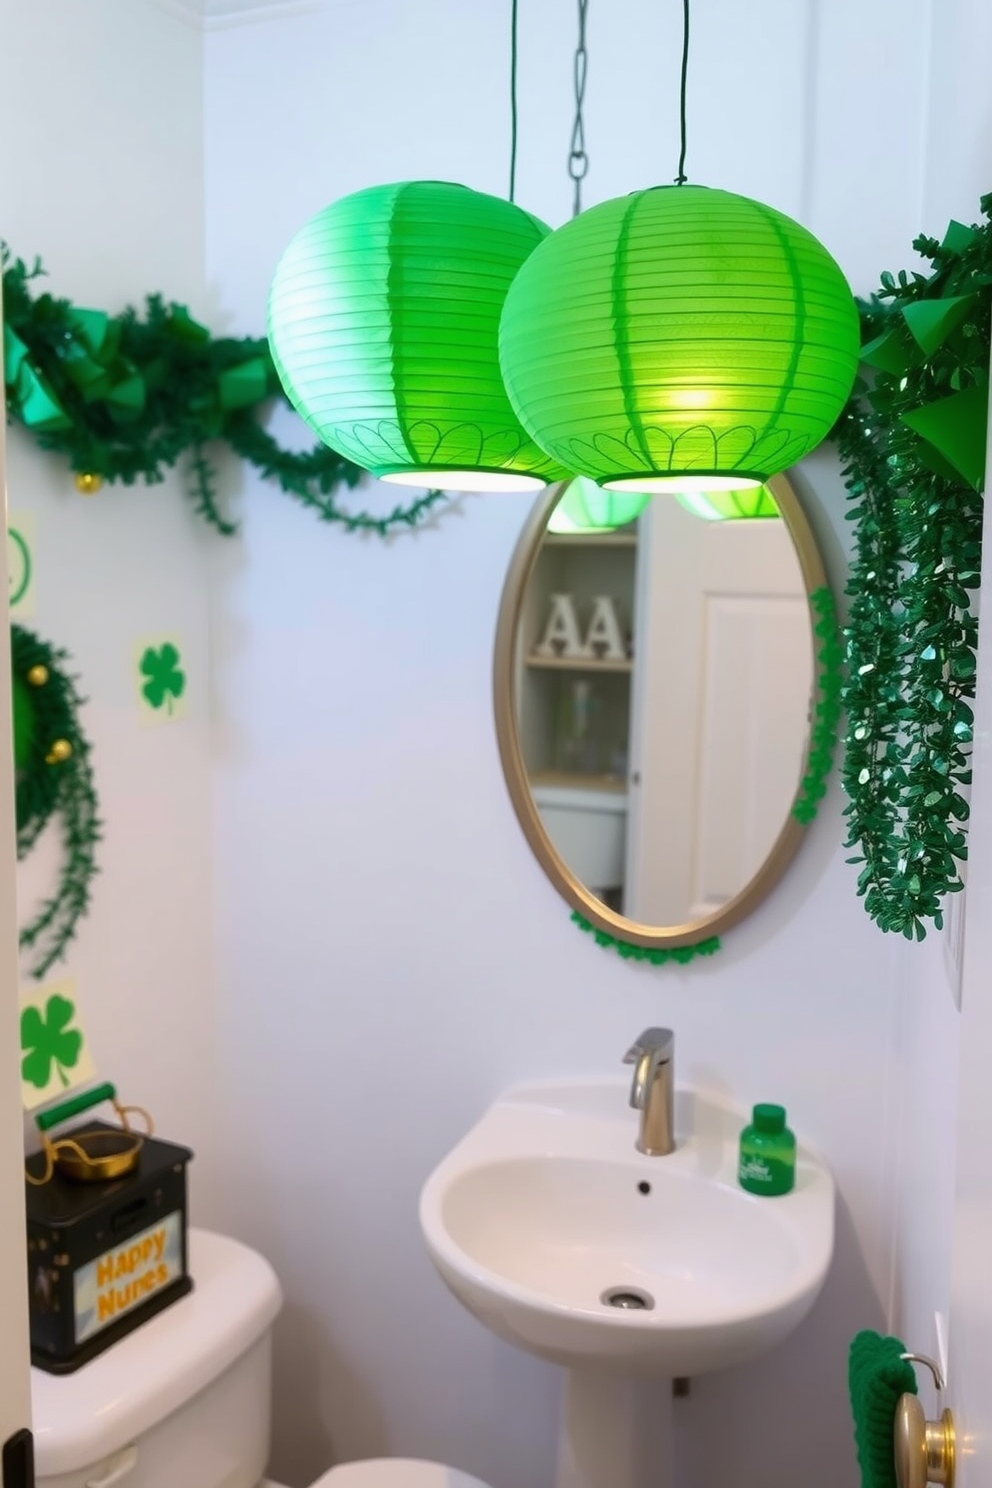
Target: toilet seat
396	1472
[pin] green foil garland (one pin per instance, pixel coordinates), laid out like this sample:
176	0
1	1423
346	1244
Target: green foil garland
126	397
913	444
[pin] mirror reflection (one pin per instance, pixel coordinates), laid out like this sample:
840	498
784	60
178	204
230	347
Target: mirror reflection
663	670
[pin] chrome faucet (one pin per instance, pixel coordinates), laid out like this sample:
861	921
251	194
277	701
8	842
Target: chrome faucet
652	1090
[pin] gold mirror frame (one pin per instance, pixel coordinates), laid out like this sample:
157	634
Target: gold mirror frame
575	893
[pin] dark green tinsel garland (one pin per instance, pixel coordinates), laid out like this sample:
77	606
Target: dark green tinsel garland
124	397
53	775
912	441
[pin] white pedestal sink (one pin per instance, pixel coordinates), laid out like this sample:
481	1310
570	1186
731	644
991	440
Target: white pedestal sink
545	1215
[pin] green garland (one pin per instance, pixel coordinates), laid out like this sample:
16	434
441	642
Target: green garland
656	955
913	445
53	774
827	711
123	398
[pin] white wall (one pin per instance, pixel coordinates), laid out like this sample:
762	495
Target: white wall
103	179
956	169
390	955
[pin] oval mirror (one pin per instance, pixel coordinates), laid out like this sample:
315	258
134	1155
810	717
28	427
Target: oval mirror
654	674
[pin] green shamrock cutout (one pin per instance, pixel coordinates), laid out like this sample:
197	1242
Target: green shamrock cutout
49	1041
166	679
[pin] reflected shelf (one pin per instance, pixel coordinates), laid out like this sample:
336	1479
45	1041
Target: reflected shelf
581	663
577	781
590	540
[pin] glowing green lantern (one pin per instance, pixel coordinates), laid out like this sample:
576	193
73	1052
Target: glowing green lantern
586	507
679	338
726	506
383	325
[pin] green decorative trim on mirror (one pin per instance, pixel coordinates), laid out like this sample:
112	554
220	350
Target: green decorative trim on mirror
657	955
53	775
827	710
124	397
912	441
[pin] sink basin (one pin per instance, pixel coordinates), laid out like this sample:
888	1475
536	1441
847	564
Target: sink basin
545	1211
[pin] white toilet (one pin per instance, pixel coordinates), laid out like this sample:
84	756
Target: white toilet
184	1400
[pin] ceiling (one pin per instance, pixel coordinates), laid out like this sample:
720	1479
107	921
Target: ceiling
219	10
219	14
213	8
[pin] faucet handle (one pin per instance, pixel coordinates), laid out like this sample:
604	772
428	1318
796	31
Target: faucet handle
659	1043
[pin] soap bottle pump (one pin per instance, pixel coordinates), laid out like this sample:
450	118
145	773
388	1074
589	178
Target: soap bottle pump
768	1153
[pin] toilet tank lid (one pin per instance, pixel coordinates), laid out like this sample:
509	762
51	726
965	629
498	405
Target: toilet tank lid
121	1394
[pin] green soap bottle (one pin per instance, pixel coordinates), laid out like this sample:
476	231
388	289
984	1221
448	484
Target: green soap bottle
768	1153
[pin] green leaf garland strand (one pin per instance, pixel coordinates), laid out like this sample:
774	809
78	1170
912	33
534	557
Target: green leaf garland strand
912	441
827	709
305	477
656	955
53	775
124	397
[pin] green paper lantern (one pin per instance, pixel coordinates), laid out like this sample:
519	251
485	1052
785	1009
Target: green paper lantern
730	506
679	338
384	325
586	507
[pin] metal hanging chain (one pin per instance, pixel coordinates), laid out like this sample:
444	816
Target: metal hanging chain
578	160
681	178
513	99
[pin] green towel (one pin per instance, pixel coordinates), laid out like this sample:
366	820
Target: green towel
876	1377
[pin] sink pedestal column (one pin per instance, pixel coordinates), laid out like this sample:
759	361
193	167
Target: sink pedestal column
615	1432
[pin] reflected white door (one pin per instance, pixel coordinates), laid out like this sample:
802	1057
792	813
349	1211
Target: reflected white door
15	1403
720	708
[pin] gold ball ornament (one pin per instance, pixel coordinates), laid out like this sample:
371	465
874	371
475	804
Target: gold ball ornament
88	484
37	675
60	751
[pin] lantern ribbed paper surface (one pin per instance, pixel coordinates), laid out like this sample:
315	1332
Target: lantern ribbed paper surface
725	506
586	507
679	332
383	325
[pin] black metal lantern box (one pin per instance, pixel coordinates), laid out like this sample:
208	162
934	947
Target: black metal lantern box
104	1255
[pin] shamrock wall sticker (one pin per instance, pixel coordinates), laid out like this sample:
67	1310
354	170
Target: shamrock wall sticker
162	679
49	1040
53	1046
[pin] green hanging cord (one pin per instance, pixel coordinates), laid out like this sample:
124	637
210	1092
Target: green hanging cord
682	178
578	160
513	99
